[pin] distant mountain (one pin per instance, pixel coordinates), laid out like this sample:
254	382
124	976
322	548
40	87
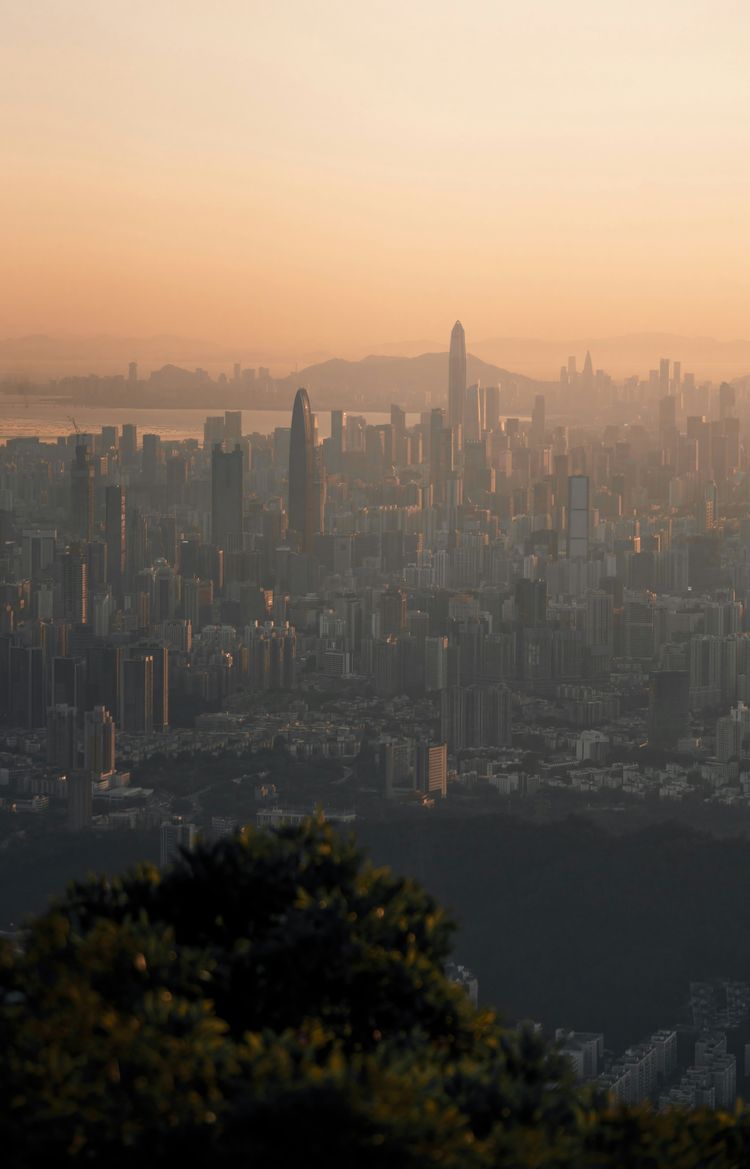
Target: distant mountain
383	379
407	348
40	356
43	356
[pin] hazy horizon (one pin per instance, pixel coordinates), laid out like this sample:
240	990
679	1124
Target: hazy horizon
49	355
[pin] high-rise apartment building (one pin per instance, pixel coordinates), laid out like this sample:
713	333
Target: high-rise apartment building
98	742
62	750
432	769
174	837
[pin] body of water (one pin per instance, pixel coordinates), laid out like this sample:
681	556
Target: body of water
50	418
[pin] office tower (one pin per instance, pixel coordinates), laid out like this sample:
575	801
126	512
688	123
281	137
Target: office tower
38	550
531	602
75	587
114	535
151	456
132	372
232	427
538	420
303	504
79	801
432	769
664	375
128	443
82	494
98	742
137	695
668	710
587	374
173	838
62	751
226	498
578	517
457	376
571	371
392	612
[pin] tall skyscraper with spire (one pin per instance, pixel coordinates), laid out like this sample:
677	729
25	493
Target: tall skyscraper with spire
587	376
457	376
302	491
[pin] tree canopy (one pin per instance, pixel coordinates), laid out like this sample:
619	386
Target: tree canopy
276	999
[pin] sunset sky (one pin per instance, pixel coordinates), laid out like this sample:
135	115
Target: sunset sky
339	173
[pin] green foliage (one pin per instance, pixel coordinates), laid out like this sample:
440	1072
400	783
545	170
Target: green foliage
276	1000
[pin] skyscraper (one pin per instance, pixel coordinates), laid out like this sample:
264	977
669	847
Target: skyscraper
79	800
578	517
338	429
82	494
98	742
472	420
669	712
137	696
61	737
303	506
457	376
226	498
538	420
114	535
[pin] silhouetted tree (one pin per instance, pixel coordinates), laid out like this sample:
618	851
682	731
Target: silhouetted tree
275	999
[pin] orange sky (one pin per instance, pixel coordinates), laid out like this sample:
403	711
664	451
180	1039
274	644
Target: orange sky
336	173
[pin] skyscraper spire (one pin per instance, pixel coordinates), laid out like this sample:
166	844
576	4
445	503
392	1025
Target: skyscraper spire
302	502
587	374
457	376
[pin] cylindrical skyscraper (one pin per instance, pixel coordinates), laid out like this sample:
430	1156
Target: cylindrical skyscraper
457	376
302	501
